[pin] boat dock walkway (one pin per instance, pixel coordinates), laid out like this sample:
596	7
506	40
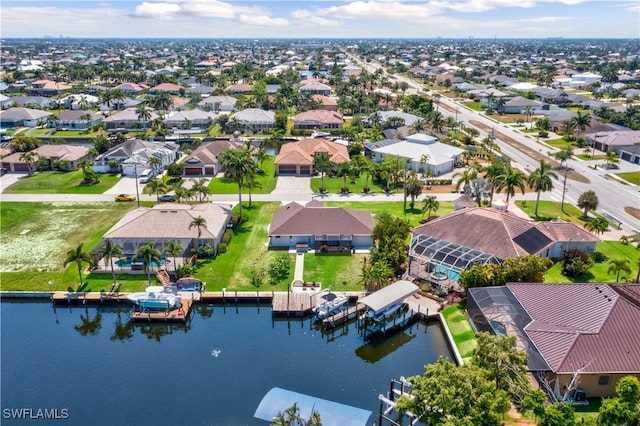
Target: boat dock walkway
292	303
342	316
177	314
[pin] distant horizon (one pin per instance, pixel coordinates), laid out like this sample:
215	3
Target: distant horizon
323	38
317	19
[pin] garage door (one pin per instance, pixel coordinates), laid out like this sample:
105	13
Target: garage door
305	170
208	171
193	171
287	169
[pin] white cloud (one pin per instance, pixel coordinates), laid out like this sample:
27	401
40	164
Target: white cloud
306	17
155	10
381	10
218	9
264	21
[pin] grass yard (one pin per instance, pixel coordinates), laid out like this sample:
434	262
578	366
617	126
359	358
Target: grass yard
550	210
461	331
35	237
53	182
560	143
333	185
598	272
589	157
476	106
631	177
342	273
265	182
394	207
246	252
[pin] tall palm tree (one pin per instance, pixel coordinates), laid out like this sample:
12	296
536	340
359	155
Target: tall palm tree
344	171
149	255
413	188
155	162
540	180
581	122
322	163
424	159
238	164
465	177
588	200
30	158
511	180
109	251
144	114
198	223
493	174
430	204
157	187
618	265
174	249
79	257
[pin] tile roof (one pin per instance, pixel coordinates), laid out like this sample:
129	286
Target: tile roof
295	219
320	116
207	153
302	152
590	326
510	235
62	152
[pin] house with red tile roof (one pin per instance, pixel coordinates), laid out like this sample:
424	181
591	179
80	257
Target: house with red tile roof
296	158
444	247
203	161
48	87
321	228
318	119
170	88
327	103
566	329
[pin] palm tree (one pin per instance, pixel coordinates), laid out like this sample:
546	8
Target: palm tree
509	181
322	163
612	159
237	165
198	223
31	158
413	188
424	159
597	225
144	114
528	112
157	187
79	257
261	155
344	171
430	204
465	177
149	256
174	249
540	180
588	201
155	163
563	155
618	265
581	122
109	251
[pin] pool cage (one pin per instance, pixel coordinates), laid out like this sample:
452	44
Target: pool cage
441	262
497	311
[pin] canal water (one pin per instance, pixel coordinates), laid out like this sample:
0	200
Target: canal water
96	368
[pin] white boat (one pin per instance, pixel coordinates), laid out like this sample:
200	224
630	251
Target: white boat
332	304
156	297
385	313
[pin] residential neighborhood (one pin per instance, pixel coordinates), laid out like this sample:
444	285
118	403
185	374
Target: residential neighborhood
491	187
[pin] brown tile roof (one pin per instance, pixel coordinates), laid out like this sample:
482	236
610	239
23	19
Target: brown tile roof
171	222
207	153
302	152
62	152
594	326
490	231
295	219
167	87
326	101
320	116
565	231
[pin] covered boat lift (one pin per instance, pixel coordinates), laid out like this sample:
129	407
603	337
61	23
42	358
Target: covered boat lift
383	308
277	400
389	296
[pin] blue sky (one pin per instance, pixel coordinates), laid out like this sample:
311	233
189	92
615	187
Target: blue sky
322	19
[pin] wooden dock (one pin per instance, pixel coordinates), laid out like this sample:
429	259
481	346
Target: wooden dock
343	316
179	314
292	303
88	297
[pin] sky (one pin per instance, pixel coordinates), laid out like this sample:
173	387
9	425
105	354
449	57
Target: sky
321	18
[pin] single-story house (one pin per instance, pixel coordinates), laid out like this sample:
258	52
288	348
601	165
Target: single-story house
385	116
440	157
139	152
164	223
240	89
22	117
630	153
566	329
128	119
328	104
218	103
170	88
320	228
315	88
132	88
611	141
79	101
204	160
72	154
296	158
48	87
120	104
518	104
444	247
255	119
26	101
77	119
318	119
194	118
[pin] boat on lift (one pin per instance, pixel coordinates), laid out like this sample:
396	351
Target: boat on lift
157	297
332	304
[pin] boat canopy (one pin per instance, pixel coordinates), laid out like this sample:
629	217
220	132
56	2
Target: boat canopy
277	400
389	295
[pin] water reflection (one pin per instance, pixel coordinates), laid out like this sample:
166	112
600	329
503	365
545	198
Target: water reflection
375	351
89	326
124	329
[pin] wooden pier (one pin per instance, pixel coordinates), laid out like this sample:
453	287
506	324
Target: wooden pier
88	297
173	315
292	303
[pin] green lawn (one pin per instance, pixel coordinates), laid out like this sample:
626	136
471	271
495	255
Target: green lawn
394	207
333	185
60	183
550	210
589	157
342	273
461	331
560	143
266	182
36	236
247	251
476	106
631	177
598	272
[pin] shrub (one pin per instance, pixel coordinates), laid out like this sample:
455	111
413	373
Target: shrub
222	247
599	257
279	268
575	263
226	237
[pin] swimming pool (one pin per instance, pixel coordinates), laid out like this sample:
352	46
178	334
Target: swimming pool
126	263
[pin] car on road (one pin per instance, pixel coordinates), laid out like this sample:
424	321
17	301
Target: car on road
167	197
125	197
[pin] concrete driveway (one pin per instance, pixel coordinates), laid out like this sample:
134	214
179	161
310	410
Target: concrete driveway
126	185
9	179
299	185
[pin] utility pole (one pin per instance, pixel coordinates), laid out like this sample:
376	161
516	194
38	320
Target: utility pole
135	171
564	186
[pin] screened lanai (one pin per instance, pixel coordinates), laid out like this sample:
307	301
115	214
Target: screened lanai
436	260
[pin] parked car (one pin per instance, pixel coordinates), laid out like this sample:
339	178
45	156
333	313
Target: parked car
125	197
167	197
